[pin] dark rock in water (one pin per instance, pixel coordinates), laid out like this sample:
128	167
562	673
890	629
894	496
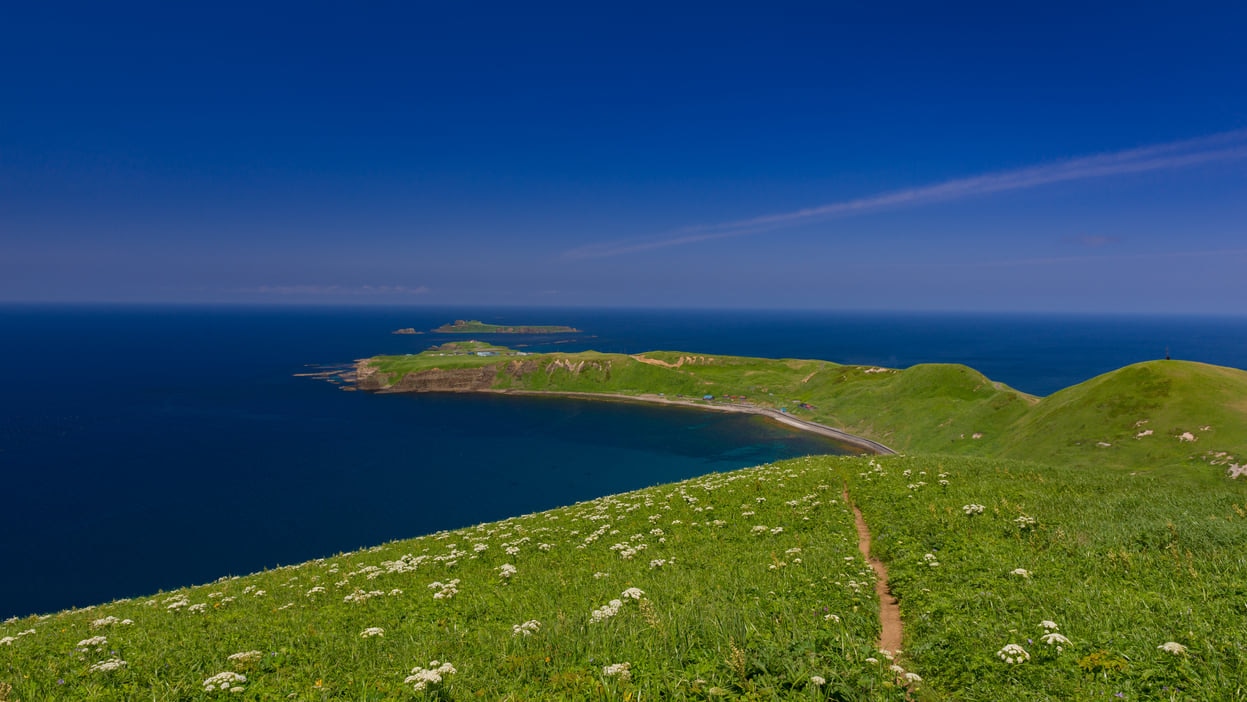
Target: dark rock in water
406	330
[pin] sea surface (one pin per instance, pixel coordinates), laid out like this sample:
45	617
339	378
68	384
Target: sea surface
148	448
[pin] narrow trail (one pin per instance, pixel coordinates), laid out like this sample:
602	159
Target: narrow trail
889	610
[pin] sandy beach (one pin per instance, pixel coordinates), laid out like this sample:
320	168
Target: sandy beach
775	415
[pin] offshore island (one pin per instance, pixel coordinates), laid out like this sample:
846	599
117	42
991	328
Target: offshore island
472	326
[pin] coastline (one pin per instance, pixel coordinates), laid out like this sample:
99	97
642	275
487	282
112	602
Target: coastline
775	415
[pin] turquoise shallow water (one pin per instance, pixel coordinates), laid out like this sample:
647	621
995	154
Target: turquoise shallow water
148	448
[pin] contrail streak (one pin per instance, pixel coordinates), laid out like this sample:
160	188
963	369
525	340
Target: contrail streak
1179	154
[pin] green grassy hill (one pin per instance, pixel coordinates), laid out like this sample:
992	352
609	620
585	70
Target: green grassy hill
942	408
1143	416
1110	563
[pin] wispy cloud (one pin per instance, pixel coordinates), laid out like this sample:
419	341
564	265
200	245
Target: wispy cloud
336	290
1066	260
1179	154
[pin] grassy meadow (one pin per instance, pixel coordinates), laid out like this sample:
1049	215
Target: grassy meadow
748	585
1086	546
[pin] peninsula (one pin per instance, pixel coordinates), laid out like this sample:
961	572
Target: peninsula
1157	413
472	326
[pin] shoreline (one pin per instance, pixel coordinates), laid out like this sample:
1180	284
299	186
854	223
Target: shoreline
843	437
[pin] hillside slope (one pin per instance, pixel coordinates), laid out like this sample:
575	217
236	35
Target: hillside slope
1144	415
1196	413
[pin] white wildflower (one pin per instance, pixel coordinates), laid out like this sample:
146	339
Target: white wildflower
817	680
1024	522
224	681
759	529
777	530
1020	572
528	628
7	641
599	575
315	591
972	509
872	660
243	659
198	608
1054	639
362	595
1049	625
658	563
421	678
371	632
445	591
633	593
506	570
107	666
913	677
831	618
605	612
1013	654
106	621
480	547
93	642
1173	647
623	671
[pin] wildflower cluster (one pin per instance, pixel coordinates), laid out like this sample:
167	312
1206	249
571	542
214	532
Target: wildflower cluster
444	591
226	681
371	632
107	666
96	642
1172	647
1013	654
605	612
528	628
973	509
623	671
421	678
244	659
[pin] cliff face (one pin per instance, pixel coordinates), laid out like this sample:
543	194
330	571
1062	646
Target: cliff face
367	377
452	380
431	380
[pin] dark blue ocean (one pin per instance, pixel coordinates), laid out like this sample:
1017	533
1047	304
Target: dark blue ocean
147	448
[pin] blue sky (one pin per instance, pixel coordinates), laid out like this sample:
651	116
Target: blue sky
824	155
